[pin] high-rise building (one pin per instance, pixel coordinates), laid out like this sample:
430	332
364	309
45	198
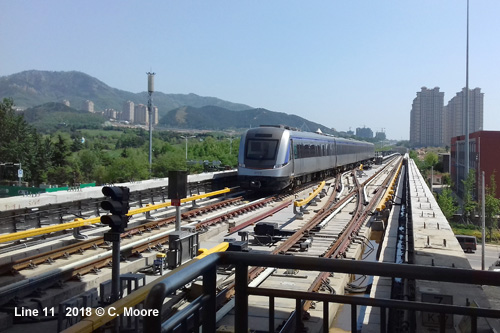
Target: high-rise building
88	106
426	118
454	113
110	113
141	115
365	132
156	120
128	111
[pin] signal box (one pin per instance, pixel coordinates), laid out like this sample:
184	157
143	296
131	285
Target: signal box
177	184
118	205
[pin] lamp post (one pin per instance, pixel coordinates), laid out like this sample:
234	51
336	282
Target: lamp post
186	138
151	89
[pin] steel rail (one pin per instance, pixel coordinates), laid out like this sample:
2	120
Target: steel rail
338	248
80	247
80	222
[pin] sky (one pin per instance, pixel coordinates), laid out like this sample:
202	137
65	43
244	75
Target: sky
343	64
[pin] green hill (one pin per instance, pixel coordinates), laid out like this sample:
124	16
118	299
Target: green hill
50	116
32	88
217	118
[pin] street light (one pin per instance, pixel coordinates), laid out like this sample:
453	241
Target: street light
187	137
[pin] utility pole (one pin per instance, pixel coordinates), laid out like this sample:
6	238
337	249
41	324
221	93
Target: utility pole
151	89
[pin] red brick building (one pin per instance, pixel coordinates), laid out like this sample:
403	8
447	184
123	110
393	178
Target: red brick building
484	155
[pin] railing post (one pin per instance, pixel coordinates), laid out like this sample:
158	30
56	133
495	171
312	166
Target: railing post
326	315
354	318
271	314
210	289
383	320
241	298
298	315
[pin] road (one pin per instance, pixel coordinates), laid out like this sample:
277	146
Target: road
491	254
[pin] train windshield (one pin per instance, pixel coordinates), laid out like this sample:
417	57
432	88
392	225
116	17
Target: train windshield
261	149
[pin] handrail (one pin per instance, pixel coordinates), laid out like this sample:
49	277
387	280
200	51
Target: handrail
80	222
302	202
94	322
242	261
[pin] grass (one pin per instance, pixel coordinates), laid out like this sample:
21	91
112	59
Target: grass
474	230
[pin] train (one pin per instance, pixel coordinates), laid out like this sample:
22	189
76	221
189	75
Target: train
273	158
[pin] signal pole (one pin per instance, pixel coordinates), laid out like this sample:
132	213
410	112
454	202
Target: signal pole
151	88
117	202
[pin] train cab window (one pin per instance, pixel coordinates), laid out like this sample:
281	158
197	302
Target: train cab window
261	149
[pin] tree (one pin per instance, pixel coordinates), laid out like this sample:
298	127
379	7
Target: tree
492	205
469	205
19	142
166	162
61	151
447	203
88	162
134	167
431	160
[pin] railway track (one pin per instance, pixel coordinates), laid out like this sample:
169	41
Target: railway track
335	236
240	216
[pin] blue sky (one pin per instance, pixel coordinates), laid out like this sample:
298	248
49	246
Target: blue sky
344	64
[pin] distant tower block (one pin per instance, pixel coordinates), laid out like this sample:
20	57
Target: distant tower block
141	114
128	111
88	106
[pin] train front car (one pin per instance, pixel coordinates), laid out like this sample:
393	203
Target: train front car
264	160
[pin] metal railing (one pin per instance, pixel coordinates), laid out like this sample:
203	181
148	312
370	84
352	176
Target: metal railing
201	313
79	222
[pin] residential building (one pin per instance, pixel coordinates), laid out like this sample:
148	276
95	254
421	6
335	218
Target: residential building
141	115
365	133
88	106
454	114
128	112
426	118
110	113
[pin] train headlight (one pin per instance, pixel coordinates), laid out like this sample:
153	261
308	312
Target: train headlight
242	165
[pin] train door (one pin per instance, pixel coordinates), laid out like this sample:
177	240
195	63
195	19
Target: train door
292	152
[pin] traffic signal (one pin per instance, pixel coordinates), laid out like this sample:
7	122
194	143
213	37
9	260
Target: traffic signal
118	205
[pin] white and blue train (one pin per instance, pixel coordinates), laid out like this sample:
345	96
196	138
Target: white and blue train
276	157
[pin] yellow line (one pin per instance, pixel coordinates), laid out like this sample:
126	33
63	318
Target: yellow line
80	222
303	202
389	193
92	323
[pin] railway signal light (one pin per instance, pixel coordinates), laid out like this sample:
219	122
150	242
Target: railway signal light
118	205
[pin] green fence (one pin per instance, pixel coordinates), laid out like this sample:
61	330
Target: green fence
11	191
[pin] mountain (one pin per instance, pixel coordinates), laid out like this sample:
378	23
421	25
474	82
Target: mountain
32	88
41	93
49	116
217	118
